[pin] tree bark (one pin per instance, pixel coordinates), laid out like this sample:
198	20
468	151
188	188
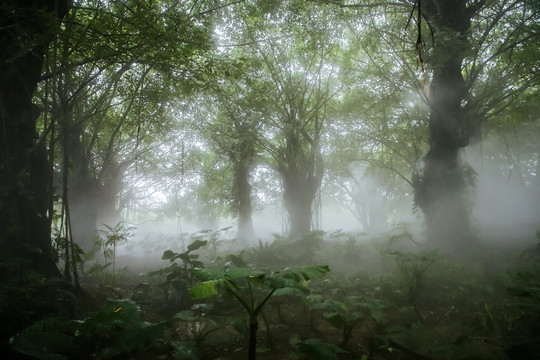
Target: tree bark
27	28
298	197
440	189
242	195
110	190
83	201
302	177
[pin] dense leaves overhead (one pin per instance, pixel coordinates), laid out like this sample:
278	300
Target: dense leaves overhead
210	109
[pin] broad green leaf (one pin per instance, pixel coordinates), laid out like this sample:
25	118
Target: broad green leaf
276	282
287	291
184	257
43	345
187	315
237	260
207	274
169	255
207	288
306	273
233	273
197	244
315	349
335	319
133	339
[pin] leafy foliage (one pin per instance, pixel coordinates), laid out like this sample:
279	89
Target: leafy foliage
197	323
178	275
116	330
105	245
253	288
317	350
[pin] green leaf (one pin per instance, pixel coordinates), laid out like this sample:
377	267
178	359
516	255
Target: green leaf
169	255
207	274
275	282
197	244
97	268
306	273
133	339
186	315
206	289
233	273
43	345
287	291
49	324
524	291
335	319
237	260
184	352
185	258
315	349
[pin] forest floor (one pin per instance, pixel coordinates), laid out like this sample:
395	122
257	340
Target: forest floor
422	306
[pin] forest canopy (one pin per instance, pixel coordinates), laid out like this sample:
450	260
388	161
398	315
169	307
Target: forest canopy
209	112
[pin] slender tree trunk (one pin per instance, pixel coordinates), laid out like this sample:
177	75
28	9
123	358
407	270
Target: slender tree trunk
110	191
440	190
83	203
82	188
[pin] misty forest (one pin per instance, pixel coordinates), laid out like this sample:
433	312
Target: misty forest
270	179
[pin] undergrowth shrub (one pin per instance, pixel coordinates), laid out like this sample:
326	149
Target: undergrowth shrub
116	331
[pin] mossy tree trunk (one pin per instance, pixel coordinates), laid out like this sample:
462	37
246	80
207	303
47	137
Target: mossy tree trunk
440	189
301	169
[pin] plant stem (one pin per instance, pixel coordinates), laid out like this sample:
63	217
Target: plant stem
253	327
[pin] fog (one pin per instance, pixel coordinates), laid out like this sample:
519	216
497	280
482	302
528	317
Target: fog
505	200
231	180
504	204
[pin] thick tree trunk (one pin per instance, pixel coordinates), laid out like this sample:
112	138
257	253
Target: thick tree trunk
299	190
92	201
25	194
440	190
242	194
26	30
301	173
441	195
298	206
